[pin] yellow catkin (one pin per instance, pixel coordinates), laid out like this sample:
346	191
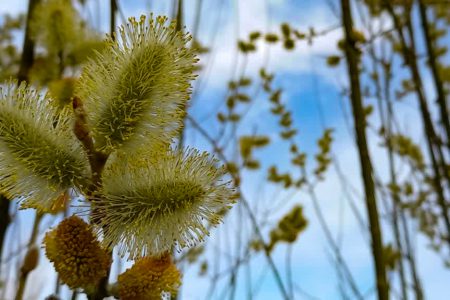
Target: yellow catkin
137	87
76	254
39	157
164	204
149	279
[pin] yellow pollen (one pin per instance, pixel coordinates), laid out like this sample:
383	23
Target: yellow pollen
76	254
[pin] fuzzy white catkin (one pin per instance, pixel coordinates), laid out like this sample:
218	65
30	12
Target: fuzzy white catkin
137	89
161	204
39	156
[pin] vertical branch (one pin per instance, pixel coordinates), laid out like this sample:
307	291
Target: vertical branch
27	59
180	15
433	63
352	56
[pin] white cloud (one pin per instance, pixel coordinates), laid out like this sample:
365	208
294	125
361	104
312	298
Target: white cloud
254	16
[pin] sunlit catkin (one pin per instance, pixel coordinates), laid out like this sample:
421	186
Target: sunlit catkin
39	157
162	204
138	87
76	254
149	278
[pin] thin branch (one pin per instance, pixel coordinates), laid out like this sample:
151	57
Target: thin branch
352	56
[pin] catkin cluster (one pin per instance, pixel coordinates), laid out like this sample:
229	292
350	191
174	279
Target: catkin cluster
145	196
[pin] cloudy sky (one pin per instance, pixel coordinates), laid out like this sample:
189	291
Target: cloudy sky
313	93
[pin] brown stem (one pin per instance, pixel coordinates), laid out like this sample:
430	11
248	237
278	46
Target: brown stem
180	15
27	59
97	161
352	55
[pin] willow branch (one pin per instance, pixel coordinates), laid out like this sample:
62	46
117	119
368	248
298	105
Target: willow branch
352	56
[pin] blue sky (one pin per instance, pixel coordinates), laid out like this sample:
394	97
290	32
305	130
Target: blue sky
309	87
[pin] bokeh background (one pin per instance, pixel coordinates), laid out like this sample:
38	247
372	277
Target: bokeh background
316	94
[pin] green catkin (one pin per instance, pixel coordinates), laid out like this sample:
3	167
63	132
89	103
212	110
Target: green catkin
158	205
39	157
139	86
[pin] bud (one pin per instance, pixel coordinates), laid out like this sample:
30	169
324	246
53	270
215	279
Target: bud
31	260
